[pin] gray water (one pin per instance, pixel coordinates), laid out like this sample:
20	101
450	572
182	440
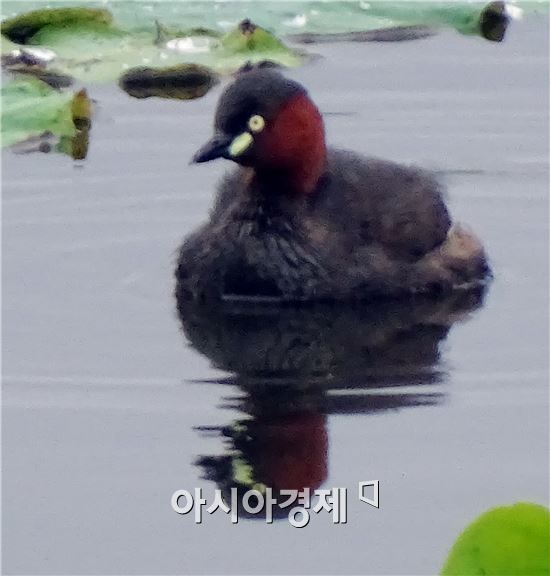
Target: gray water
446	407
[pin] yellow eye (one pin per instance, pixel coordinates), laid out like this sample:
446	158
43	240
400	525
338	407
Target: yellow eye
256	123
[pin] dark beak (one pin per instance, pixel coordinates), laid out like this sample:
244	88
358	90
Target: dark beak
214	148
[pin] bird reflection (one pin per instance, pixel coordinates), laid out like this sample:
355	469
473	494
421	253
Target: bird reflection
292	367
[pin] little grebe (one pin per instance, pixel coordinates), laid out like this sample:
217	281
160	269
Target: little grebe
297	221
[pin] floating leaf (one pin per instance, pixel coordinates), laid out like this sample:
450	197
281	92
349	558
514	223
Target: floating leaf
510	540
248	37
24	27
34	115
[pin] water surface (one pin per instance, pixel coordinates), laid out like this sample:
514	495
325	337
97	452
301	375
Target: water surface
104	395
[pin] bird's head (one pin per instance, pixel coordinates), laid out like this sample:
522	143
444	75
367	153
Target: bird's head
269	123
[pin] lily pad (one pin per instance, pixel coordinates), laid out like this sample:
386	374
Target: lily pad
506	541
22	28
249	43
34	115
248	37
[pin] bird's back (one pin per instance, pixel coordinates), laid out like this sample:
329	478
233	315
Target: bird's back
371	227
374	201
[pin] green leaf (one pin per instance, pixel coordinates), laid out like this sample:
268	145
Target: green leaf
32	110
23	27
251	43
506	541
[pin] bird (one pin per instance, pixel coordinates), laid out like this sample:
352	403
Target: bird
298	221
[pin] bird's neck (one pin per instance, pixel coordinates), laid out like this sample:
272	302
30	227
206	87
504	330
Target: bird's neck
297	184
295	150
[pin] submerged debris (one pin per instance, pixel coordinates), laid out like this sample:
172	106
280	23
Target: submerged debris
29	56
182	82
395	34
34	62
44	143
53	78
494	21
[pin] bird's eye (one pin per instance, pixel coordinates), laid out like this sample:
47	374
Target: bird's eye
256	123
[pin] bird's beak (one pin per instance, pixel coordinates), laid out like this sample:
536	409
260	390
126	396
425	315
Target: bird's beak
223	146
217	147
